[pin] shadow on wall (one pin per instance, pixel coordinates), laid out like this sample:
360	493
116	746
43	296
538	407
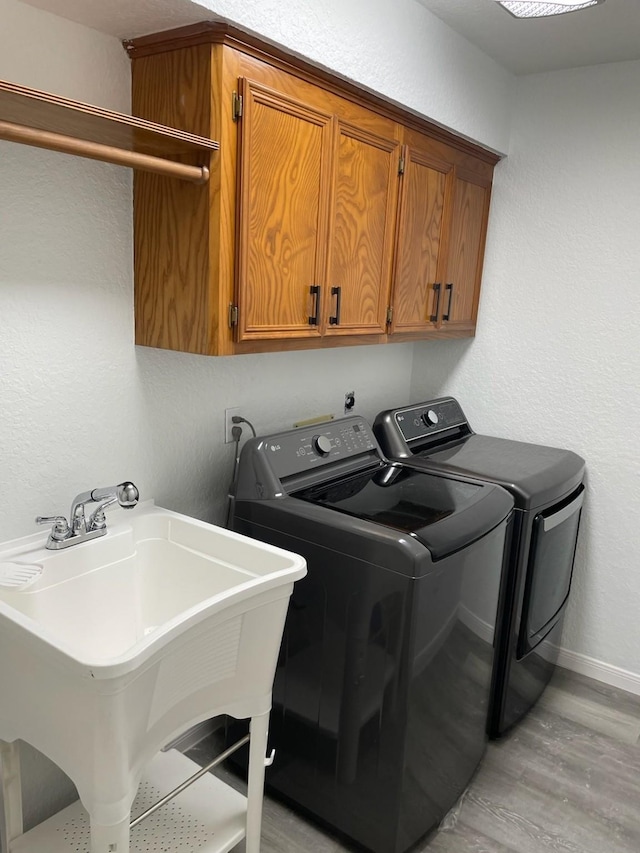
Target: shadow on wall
579	621
181	401
436	365
50	790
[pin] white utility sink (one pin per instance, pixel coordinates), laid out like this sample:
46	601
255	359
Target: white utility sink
121	643
108	604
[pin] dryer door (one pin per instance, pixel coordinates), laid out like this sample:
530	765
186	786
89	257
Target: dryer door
551	557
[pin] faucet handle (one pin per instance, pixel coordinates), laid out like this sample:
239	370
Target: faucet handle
60	529
97	520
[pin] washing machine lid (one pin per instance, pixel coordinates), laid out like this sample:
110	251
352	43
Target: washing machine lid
443	513
535	474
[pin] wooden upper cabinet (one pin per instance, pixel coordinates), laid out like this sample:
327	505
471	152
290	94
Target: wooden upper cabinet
305	234
282	214
470	210
361	231
420	242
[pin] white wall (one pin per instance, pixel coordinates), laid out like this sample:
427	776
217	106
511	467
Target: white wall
394	47
557	356
80	406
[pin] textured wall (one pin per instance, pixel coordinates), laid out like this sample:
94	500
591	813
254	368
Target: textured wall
395	47
556	359
392	46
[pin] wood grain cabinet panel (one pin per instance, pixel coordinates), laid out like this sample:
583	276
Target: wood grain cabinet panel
420	243
174	267
363	215
282	214
470	210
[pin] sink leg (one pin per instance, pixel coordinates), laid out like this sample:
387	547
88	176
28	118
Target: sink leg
255	790
11	819
110	839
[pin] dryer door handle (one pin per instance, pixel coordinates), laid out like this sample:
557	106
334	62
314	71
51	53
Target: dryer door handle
551	521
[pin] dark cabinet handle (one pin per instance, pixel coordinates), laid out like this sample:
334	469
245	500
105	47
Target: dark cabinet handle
448	287
314	290
337	292
436	290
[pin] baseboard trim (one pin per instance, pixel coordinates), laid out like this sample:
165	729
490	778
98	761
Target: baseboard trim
614	676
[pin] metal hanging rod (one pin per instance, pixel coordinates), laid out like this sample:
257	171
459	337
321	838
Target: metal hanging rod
168	797
98	151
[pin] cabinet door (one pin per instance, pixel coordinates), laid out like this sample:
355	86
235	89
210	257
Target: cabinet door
470	209
361	231
285	168
420	249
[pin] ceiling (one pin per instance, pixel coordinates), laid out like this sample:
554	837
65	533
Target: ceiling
606	33
128	18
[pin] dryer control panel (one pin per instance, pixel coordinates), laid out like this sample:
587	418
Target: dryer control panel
423	425
425	419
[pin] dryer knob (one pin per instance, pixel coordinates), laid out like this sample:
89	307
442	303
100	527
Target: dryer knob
322	445
430	418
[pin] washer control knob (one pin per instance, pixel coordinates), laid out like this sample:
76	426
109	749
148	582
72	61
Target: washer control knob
430	418
322	445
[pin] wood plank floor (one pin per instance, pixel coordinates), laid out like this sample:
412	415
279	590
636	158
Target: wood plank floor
565	780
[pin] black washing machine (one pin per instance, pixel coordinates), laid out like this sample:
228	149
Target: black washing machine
382	687
547	487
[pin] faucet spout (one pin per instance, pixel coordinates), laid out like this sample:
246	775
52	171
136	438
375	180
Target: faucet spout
126	494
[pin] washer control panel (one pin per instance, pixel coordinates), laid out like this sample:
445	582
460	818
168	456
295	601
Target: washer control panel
429	418
307	448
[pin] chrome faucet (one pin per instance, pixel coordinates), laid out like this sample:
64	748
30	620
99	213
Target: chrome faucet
79	528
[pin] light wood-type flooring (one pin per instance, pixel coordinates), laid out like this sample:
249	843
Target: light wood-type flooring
566	779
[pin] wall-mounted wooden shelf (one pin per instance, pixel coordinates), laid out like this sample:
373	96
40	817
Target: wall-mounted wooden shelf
31	117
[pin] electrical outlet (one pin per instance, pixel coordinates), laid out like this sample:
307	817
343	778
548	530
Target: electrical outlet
228	423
